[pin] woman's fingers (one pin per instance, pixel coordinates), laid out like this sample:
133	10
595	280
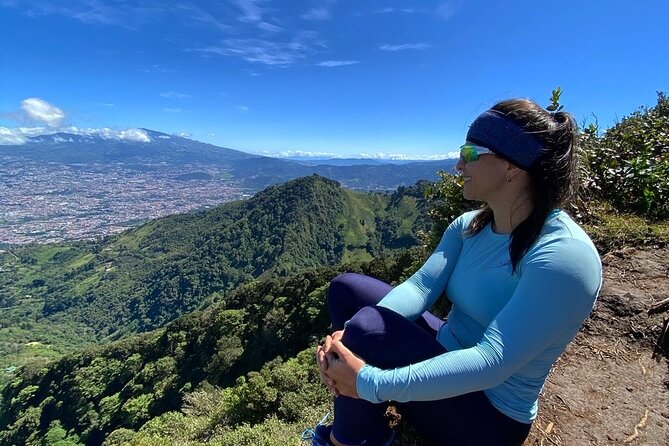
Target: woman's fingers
337	335
329	339
325	356
321	358
338	349
330	384
344	370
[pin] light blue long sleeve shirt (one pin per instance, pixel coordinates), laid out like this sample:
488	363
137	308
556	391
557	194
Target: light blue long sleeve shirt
505	331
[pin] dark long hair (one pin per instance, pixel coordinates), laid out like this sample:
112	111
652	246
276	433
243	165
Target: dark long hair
553	178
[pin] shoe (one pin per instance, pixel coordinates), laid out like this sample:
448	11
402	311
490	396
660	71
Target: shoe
320	435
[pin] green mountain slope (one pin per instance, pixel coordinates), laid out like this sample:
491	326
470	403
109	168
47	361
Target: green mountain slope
88	395
146	277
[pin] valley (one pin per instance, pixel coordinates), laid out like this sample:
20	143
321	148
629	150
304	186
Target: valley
64	187
54	202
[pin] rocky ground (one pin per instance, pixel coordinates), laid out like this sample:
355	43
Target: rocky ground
611	387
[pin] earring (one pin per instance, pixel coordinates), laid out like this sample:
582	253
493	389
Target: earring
508	178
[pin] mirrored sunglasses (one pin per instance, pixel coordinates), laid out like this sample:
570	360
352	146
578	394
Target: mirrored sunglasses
472	152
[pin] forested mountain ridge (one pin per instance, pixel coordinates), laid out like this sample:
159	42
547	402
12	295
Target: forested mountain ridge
146	277
123	384
85	397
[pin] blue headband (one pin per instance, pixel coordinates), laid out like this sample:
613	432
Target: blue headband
498	133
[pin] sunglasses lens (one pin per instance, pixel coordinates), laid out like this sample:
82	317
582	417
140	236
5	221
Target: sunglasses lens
468	154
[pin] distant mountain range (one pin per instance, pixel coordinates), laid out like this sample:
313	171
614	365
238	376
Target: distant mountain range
319	161
155	149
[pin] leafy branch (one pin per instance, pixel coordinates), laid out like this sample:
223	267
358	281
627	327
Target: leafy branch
555	101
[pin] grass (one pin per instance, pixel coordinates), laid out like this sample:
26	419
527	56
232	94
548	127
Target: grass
27	338
46	255
611	230
360	207
407	213
89	282
80	261
357	254
131	239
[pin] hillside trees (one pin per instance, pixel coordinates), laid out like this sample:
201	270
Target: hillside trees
144	278
90	394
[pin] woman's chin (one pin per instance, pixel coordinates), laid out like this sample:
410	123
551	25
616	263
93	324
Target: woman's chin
467	193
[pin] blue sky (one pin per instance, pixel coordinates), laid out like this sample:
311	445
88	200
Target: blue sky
337	77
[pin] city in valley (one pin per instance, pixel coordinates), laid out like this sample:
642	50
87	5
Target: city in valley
52	202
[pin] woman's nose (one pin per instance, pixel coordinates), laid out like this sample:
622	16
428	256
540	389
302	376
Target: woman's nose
459	165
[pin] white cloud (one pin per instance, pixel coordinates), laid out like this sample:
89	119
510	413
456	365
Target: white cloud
299	154
91	12
157	68
183	135
40	110
25	131
375	156
404	46
337	63
321	13
20	135
404	157
280	52
266	26
101	104
384	11
261	51
138	135
134	135
251	10
242	108
446	10
404	10
253	13
206	17
11	137
174	95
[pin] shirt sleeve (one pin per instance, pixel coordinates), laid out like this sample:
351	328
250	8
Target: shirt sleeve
418	293
555	294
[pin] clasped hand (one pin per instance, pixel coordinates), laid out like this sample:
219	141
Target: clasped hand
338	366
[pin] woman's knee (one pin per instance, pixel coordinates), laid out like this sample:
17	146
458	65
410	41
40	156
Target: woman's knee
340	285
367	320
364	332
357	288
386	339
344	287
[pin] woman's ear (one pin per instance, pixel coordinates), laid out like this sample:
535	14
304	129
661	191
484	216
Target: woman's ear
512	171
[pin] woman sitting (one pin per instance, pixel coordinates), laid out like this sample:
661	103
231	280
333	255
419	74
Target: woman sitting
522	277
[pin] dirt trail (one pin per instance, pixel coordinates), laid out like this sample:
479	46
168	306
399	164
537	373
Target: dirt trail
611	387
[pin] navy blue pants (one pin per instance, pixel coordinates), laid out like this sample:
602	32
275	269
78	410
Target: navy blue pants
386	339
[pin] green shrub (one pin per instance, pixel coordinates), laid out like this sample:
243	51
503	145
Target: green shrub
629	165
446	203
